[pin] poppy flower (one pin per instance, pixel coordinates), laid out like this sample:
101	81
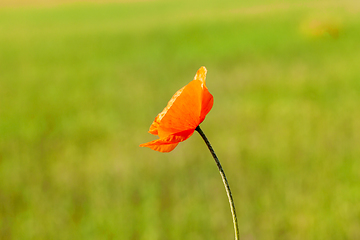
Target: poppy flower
183	113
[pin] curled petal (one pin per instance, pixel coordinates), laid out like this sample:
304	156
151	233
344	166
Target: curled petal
162	147
168	143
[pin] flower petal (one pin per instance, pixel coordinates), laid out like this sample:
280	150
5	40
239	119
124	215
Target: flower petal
207	99
163	148
184	114
155	125
163	144
206	104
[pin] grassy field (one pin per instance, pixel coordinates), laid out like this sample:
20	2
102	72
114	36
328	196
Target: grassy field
81	83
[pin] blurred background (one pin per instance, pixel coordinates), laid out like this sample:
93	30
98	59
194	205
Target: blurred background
81	82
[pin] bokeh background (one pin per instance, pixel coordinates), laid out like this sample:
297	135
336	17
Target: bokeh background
81	82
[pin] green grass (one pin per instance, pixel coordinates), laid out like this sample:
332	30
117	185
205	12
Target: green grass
81	84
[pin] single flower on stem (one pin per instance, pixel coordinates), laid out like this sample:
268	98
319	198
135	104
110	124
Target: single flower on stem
181	117
184	112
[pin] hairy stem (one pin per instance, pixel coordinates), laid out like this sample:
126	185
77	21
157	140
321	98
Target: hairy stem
225	181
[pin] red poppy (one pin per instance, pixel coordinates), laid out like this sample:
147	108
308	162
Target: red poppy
183	113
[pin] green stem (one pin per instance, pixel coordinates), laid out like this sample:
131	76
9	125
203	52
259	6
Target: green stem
225	181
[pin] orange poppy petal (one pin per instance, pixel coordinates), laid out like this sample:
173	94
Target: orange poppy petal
207	99
186	109
155	125
163	148
169	140
184	112
206	104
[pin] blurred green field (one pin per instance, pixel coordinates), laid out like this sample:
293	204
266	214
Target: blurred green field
80	85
